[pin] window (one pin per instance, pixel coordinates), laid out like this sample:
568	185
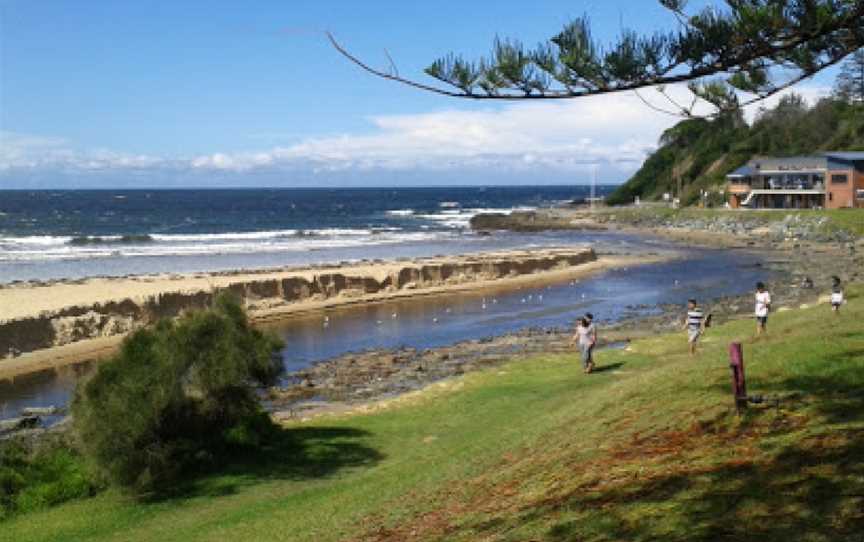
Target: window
860	195
839	179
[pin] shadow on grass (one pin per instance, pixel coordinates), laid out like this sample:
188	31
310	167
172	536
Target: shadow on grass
781	477
296	454
809	491
812	488
607	367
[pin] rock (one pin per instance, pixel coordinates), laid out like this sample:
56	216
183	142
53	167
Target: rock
41	411
17	424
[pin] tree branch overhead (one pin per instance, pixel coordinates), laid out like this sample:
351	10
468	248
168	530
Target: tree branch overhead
758	47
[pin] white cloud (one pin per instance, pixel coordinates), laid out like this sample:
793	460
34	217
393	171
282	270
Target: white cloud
616	131
27	152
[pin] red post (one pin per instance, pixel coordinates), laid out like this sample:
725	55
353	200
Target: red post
739	385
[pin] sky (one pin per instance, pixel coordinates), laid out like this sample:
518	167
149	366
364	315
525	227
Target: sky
163	93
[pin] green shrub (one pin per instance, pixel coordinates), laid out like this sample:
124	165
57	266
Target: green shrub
36	478
176	397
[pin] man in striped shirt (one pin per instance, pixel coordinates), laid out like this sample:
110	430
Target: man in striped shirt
695	324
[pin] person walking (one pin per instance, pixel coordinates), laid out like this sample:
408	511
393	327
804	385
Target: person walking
592	334
585	337
694	323
836	295
763	306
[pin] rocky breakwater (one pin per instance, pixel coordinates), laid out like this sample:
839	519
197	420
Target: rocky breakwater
527	221
763	227
35	316
760	226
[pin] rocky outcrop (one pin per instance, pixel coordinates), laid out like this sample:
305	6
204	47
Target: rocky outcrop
281	295
527	221
764	226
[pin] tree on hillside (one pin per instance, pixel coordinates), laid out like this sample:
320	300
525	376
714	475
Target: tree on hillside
743	46
850	82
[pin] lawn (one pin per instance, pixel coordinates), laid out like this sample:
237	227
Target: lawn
649	448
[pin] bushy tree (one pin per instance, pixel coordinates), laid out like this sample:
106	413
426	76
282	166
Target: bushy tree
175	397
850	82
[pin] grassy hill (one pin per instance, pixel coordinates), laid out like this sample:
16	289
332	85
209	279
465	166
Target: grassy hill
649	448
703	151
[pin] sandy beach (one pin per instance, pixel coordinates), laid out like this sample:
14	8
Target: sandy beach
57	302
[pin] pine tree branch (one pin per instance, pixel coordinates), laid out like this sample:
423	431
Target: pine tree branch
805	36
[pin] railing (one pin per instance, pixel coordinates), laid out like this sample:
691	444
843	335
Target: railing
775	185
743	188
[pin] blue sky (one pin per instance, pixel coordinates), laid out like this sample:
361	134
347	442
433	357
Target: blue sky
98	93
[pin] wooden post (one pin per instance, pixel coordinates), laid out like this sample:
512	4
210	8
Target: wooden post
739	384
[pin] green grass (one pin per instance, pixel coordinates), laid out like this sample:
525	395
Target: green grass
851	220
648	449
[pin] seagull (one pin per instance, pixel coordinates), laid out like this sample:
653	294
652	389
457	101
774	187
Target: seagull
494	301
483	306
434	320
447	310
394	316
540	297
379	322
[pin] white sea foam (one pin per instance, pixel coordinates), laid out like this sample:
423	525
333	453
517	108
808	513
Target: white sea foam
40	240
461	218
401	212
46	248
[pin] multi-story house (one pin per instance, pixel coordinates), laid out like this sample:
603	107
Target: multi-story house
831	180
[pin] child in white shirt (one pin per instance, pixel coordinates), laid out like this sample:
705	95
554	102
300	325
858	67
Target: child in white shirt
763	305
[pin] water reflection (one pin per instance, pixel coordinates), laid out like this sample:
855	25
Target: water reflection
51	387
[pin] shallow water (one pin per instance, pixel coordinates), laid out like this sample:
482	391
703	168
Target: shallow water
445	320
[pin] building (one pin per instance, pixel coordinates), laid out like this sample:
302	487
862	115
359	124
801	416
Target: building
831	180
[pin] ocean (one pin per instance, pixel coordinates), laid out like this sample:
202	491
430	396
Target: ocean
56	234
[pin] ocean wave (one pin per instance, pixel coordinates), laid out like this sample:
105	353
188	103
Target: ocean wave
264	235
110	240
270	235
193	246
401	212
40	240
461	218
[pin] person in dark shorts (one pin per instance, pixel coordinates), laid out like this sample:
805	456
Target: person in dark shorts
592	333
694	324
763	306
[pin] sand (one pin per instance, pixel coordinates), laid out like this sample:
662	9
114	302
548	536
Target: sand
32	299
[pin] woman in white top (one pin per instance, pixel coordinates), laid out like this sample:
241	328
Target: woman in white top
836	295
763	305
